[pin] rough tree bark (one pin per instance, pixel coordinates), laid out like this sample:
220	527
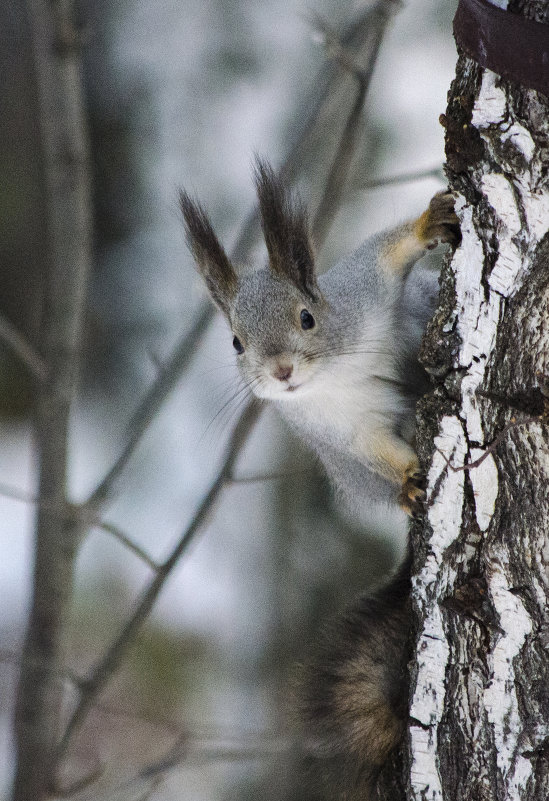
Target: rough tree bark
479	691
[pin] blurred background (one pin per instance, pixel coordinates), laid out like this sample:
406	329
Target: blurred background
182	94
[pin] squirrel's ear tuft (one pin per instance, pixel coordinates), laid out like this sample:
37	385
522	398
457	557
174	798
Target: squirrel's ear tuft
212	261
286	231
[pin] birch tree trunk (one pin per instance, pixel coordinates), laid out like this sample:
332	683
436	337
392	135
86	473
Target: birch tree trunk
480	682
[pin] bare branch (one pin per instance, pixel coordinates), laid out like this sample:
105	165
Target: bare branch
337	177
169	375
116	532
331	88
19	345
17	494
114	655
57	64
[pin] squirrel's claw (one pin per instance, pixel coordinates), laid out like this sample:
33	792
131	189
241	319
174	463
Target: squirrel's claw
412	494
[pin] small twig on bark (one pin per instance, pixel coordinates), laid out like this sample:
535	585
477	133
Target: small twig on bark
17	343
488	449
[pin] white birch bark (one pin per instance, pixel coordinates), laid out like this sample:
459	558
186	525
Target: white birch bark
479	697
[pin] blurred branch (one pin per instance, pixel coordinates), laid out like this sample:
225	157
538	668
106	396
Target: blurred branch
405	177
111	660
65	791
184	752
331	88
268	476
132	546
337	177
65	158
339	172
11	656
169	375
19	345
17	494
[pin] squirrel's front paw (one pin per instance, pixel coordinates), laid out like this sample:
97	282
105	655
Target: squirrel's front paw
413	490
440	222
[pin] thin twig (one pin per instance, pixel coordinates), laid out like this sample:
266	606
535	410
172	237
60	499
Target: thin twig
151	403
114	655
332	81
22	348
405	177
184	752
132	546
488	449
268	476
65	791
17	494
148	794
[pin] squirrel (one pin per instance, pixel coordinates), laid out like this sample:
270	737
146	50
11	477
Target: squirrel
337	355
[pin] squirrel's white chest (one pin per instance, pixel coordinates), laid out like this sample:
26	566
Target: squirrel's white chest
339	406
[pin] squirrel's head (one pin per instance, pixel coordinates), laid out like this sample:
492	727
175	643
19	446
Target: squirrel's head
276	314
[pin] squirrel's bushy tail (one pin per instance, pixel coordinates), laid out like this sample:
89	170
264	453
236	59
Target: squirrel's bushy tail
354	691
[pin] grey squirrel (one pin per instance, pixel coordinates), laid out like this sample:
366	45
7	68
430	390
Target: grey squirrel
337	355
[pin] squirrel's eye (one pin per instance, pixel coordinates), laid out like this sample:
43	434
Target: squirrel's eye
238	346
307	320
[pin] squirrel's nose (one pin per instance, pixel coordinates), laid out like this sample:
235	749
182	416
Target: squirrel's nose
283	371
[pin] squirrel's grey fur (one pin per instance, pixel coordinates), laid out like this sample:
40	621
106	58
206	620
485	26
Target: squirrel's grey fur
337	355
